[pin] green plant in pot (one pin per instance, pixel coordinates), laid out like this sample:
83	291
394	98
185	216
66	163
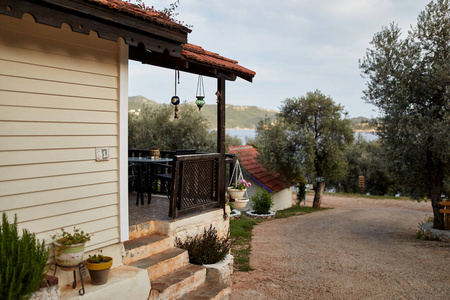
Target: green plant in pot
69	248
99	266
262	202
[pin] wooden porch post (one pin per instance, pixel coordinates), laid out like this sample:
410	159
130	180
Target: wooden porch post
221	138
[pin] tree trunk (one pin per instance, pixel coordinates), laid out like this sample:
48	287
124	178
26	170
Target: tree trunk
436	177
318	195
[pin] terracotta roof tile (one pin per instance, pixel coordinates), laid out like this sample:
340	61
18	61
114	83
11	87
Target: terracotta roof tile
198	54
135	11
247	156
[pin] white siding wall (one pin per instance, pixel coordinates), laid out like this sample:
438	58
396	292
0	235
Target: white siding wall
58	102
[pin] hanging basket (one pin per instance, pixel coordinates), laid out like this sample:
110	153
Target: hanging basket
240	203
236	193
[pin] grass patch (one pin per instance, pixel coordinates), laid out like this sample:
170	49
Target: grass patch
295	211
241	233
349	195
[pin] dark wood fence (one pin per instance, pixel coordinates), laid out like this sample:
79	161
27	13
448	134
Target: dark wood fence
195	183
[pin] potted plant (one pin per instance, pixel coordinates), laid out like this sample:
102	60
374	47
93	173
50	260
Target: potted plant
69	248
99	266
262	202
238	189
240	203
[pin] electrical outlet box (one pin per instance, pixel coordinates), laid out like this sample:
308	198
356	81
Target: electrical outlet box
102	154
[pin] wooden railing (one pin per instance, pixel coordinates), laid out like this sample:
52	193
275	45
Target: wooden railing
195	183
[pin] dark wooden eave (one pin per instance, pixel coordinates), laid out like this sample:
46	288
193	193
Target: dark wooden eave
84	16
187	64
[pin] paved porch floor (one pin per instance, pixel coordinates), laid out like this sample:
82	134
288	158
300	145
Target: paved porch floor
158	209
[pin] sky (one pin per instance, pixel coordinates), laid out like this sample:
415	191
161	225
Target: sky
294	46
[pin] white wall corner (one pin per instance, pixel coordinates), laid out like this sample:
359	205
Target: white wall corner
123	139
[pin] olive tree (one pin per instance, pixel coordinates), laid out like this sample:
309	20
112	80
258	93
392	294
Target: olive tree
309	136
409	81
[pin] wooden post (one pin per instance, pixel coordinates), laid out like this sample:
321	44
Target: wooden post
221	138
361	184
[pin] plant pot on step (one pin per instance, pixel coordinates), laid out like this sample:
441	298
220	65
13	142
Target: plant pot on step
240	203
69	256
99	271
236	193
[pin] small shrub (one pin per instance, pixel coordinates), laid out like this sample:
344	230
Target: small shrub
262	201
23	261
206	248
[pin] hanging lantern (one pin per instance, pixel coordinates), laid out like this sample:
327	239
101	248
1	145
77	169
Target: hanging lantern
175	99
200	93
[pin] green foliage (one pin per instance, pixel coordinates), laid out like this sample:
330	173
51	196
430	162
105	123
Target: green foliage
206	248
156	127
241	233
367	159
301	185
66	239
295	211
98	258
408	80
309	137
262	201
23	261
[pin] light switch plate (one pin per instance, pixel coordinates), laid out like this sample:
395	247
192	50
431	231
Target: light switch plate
102	154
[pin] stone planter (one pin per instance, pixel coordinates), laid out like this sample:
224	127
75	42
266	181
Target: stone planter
69	257
236	193
220	272
252	214
240	203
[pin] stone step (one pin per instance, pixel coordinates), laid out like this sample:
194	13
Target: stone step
178	283
145	246
163	262
209	291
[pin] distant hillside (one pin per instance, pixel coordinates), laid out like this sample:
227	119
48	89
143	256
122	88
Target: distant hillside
240	117
136	102
236	116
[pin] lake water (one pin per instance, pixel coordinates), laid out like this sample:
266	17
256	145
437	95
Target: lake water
246	134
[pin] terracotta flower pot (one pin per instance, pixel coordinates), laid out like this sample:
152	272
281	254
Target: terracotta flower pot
99	272
236	193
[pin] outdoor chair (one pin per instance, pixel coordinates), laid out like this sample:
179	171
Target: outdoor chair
164	176
135	181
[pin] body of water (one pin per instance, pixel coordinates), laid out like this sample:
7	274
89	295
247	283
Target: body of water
246	134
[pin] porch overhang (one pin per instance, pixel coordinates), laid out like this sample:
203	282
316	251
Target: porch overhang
109	19
195	60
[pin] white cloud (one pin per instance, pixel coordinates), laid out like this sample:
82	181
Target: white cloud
294	47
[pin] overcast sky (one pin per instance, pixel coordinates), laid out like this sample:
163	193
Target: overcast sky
294	46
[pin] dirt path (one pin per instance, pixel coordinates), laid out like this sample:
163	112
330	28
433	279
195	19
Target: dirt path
362	249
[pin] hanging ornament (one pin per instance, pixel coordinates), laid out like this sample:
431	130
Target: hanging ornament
200	93
175	99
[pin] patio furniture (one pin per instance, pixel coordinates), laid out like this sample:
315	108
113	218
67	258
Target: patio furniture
135	181
164	176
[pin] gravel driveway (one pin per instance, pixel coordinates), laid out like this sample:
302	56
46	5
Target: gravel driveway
361	249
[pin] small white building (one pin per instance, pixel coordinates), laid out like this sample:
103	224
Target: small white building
260	177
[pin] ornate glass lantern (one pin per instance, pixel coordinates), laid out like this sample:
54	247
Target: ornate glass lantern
200	93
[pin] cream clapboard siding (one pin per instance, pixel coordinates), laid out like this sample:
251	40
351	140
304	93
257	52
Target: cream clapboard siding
58	102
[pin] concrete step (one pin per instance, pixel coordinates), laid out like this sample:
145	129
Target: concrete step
178	283
145	246
163	262
209	291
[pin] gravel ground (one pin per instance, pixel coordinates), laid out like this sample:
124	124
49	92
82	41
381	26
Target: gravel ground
361	249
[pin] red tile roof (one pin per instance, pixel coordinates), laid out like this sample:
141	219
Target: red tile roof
135	11
247	156
199	55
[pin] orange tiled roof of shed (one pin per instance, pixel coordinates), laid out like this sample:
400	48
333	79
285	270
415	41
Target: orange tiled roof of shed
198	54
247	156
135	11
